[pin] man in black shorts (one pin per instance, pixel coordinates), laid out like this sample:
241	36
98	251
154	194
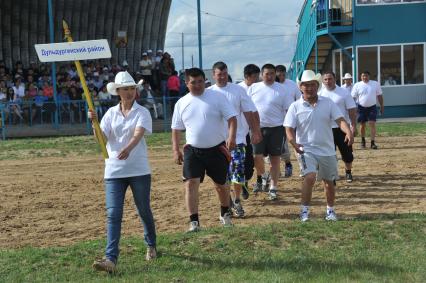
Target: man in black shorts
201	113
272	101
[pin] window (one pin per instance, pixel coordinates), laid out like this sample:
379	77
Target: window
347	62
413	64
372	2
337	66
390	65
367	61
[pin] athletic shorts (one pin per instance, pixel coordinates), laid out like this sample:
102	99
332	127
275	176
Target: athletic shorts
324	166
271	142
236	172
344	148
366	114
213	161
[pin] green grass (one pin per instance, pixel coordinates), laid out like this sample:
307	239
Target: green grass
401	129
86	145
380	249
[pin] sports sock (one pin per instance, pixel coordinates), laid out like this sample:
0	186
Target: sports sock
223	210
348	171
305	207
330	209
194	217
259	179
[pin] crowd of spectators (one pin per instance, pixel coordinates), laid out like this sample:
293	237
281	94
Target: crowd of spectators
26	93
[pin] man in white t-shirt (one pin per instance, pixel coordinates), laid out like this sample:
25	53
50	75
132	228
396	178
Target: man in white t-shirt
201	113
347	107
347	82
145	66
308	127
366	92
272	101
295	94
251	76
238	98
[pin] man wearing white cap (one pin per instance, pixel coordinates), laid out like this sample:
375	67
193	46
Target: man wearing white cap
145	67
313	117
347	79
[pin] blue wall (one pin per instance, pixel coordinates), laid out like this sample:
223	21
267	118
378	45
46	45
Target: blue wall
387	24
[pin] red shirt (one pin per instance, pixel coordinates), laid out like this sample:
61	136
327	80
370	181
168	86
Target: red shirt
173	83
48	91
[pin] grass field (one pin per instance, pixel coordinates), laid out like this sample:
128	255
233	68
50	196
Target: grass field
384	249
376	248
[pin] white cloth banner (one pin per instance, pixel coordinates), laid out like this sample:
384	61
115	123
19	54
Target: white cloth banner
73	51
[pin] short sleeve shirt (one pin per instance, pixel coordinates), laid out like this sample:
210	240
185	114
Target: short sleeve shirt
238	98
366	93
118	131
313	125
293	89
343	100
202	117
271	101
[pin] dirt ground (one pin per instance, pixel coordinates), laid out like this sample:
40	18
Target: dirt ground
60	201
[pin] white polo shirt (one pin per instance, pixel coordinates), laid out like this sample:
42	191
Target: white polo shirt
239	99
202	117
366	93
271	102
292	88
313	125
244	85
118	131
343	100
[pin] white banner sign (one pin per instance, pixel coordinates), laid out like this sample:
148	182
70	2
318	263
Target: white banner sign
73	51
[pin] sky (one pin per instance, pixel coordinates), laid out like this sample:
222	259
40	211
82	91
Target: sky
237	32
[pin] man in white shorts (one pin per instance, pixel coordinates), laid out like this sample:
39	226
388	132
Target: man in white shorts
295	94
201	113
272	101
313	117
347	107
245	108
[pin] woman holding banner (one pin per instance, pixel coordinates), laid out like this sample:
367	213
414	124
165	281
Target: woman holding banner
124	127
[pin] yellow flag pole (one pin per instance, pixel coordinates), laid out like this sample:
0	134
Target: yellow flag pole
98	132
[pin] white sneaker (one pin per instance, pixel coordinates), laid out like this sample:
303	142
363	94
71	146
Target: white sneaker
304	215
226	220
194	226
272	194
331	216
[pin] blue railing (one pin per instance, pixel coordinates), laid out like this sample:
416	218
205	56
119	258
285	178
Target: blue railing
28	116
323	16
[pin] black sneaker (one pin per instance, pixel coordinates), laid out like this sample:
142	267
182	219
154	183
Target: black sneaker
245	193
349	178
373	146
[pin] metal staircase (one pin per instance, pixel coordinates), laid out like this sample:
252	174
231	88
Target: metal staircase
320	21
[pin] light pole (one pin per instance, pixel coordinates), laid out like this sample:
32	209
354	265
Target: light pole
200	51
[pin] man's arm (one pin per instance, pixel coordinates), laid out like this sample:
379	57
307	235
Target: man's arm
232	132
349	138
254	124
382	106
177	154
352	116
291	139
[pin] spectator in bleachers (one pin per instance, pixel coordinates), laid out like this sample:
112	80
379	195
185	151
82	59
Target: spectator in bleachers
19	87
147	99
14	104
145	67
167	66
173	85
